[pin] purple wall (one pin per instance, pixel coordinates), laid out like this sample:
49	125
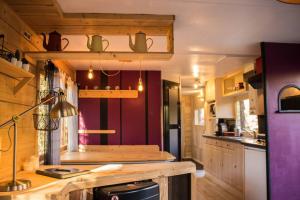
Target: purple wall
136	121
282	67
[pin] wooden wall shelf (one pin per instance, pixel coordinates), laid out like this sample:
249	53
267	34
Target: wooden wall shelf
15	72
130	94
96	131
86	55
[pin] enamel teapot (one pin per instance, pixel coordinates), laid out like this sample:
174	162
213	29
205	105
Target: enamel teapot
140	43
97	43
54	42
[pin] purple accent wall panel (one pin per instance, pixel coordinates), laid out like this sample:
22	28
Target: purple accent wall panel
154	107
282	67
114	113
133	112
89	109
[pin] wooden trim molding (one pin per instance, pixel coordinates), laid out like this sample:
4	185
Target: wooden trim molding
108	94
96	131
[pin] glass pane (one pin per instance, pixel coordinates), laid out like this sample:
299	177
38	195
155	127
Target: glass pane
173	105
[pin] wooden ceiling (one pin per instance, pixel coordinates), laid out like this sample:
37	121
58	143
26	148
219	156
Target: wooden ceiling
46	16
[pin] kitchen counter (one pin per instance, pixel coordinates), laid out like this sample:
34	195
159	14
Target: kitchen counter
243	140
115	157
44	187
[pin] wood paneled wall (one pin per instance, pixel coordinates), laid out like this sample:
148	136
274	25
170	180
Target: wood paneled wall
192	134
187	123
13	29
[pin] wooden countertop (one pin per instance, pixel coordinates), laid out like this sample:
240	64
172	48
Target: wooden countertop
115	157
44	187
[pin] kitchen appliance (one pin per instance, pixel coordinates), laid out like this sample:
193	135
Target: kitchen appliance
97	43
140	43
225	125
54	42
255	174
129	191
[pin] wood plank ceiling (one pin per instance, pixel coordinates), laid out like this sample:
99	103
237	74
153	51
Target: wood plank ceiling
47	16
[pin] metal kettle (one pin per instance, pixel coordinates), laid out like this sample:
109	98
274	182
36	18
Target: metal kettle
97	43
140	43
54	42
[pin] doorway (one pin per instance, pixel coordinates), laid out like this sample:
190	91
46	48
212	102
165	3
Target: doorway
171	118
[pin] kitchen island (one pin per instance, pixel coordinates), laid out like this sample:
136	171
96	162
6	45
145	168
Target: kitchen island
44	187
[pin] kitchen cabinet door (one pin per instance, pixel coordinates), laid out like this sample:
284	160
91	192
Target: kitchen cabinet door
227	166
210	90
238	168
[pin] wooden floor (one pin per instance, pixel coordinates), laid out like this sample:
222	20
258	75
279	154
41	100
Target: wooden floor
207	189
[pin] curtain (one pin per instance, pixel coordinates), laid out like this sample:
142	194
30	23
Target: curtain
72	122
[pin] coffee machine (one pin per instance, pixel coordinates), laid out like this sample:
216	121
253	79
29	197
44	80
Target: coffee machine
224	125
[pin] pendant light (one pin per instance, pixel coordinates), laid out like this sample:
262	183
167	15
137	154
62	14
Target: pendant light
140	83
91	73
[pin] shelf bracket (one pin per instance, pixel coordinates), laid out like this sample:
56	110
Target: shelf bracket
21	84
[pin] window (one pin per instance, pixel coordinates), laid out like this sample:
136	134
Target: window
244	120
199	117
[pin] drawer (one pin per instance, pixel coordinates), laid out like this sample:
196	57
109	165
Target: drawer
228	145
217	143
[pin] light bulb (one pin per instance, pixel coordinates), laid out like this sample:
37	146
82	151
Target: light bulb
140	85
90	74
195	85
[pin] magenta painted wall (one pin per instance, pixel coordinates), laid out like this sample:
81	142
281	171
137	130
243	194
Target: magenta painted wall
136	121
282	67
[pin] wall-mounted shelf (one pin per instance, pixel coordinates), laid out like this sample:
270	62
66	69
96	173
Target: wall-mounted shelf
15	72
234	85
86	55
96	131
130	94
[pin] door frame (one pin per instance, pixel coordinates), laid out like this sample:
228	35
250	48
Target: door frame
166	126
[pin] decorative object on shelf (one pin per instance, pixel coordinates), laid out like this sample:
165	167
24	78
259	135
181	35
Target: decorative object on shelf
97	43
140	45
289	99
96	87
61	109
117	87
91	73
54	42
290	1
107	87
140	83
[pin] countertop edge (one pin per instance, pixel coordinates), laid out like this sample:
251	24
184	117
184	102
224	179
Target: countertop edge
60	188
243	142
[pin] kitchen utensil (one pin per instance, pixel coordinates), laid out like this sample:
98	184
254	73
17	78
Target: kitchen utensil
54	42
140	43
97	43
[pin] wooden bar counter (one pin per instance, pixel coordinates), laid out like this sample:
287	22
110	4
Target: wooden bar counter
115	157
44	187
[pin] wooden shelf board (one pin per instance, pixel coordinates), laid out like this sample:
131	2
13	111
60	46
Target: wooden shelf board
96	131
236	93
15	72
108	94
86	55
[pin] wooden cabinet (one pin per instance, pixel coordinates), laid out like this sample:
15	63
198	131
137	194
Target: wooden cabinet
210	91
234	85
225	161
